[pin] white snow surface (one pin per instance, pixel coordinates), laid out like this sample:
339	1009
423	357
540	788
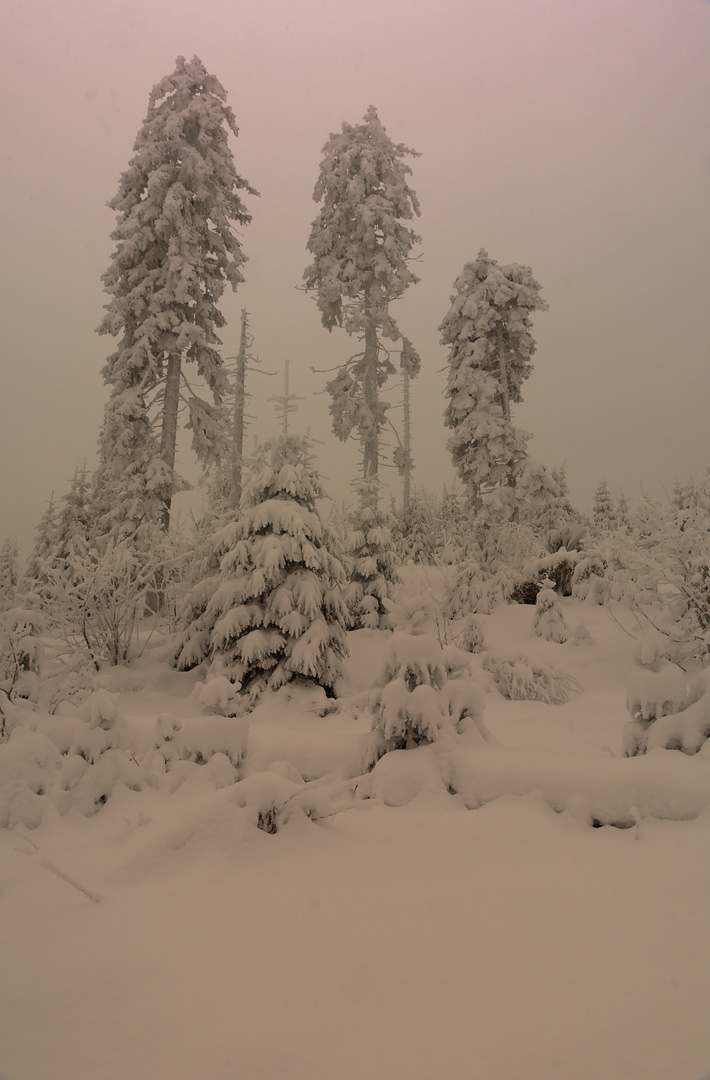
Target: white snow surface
389	929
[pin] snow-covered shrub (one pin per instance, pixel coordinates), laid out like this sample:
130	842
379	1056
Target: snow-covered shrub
656	687
557	569
98	600
688	730
411	704
410	615
522	679
88	789
28	762
22	653
218	695
465	703
549	621
588	580
102	728
525	591
471	636
371	554
269	796
473	593
277	612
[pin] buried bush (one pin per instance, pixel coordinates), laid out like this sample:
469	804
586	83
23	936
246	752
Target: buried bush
420	698
522	679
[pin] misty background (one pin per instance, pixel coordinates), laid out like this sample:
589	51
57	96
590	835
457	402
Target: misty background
569	136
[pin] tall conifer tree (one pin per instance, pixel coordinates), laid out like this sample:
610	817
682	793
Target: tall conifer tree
361	246
488	331
176	250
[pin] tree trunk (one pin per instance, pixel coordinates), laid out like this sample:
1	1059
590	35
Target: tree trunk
371	435
503	364
168	435
407	487
238	421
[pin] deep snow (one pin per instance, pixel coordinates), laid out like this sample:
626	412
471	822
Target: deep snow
400	935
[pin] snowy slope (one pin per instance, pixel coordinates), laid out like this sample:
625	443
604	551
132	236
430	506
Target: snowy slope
168	937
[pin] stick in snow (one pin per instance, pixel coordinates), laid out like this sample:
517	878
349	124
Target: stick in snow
70	880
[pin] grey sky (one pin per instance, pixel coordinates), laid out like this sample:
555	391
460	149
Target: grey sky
571	136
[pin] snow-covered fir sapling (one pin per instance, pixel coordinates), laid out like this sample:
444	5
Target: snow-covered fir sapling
277	613
415	702
411	615
656	687
415	533
471	636
466	594
604	513
549	621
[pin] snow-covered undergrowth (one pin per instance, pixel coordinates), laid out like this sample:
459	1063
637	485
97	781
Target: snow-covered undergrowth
208	895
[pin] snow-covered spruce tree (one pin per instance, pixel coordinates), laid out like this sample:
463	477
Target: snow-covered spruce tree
45	537
277	613
603	509
371	553
549	622
73	528
410	365
131	478
361	247
488	331
415	532
176	250
9	572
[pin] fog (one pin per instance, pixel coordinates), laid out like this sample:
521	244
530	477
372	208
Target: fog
569	136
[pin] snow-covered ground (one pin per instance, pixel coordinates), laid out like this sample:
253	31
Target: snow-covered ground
399	932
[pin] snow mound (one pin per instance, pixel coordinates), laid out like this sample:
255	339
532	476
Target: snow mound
218	695
401	775
599	791
199	738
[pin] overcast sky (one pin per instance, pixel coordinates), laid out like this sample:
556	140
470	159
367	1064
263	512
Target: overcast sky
567	135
